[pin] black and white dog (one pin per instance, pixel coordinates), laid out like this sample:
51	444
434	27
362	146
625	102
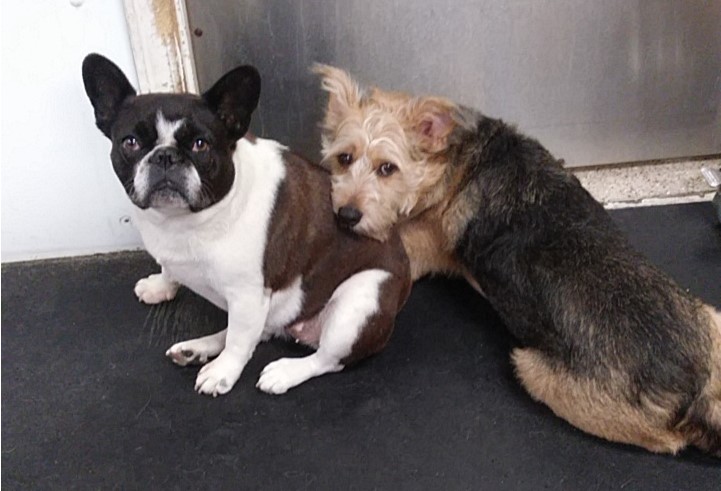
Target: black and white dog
247	225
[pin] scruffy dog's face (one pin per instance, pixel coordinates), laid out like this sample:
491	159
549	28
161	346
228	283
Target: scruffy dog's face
379	147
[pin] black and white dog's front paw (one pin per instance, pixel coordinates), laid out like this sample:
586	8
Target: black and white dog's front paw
219	376
155	289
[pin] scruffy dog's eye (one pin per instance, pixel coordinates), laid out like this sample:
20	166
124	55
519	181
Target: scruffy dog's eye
345	159
200	145
386	169
131	143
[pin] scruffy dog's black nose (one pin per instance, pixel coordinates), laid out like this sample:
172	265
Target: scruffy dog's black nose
349	215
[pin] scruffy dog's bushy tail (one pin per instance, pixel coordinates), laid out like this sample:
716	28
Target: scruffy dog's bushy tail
702	425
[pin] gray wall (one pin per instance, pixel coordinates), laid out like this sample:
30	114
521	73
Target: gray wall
597	81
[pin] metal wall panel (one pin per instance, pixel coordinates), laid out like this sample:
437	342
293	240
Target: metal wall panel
596	81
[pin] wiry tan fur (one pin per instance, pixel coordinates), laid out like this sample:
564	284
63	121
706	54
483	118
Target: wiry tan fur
424	199
593	408
378	127
600	409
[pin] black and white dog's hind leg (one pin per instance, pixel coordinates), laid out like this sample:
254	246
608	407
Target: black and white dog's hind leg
355	323
198	350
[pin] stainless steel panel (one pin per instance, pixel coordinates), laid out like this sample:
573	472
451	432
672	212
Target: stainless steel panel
595	81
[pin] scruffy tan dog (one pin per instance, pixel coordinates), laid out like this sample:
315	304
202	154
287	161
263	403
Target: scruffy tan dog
607	341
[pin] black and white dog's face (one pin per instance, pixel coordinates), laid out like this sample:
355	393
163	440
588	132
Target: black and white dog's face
172	151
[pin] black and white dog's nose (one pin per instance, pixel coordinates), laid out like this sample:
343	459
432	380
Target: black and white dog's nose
349	215
165	157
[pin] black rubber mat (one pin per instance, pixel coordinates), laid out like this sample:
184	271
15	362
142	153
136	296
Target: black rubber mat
89	400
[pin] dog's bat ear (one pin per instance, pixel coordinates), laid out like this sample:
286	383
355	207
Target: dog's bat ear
431	120
107	87
234	97
343	93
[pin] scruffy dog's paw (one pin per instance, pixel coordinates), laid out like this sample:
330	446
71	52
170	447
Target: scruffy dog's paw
155	289
188	352
218	376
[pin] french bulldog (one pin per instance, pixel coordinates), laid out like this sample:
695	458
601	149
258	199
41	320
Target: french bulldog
247	225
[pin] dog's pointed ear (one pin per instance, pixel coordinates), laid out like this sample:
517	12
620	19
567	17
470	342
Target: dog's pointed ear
107	87
431	120
343	93
234	97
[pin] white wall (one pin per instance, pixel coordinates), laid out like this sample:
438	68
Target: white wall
60	195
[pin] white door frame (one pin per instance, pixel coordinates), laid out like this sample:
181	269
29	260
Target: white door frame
161	44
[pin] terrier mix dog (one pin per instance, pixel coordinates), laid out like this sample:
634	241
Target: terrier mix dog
608	342
247	225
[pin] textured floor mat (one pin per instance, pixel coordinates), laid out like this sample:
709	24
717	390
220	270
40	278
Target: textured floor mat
89	400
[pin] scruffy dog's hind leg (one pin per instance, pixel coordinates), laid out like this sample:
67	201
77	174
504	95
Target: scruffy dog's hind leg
595	409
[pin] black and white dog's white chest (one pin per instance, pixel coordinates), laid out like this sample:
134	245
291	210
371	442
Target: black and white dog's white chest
219	251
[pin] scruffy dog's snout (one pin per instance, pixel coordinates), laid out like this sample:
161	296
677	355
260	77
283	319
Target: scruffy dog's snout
349	215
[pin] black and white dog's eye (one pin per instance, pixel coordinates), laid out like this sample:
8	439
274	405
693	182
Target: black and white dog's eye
131	143
345	159
200	145
386	169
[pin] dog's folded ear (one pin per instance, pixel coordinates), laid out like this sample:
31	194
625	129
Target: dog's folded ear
107	87
431	120
343	93
234	98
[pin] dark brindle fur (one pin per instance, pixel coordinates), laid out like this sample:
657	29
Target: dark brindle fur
607	340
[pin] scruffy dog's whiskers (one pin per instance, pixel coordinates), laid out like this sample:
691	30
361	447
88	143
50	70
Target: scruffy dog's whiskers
609	342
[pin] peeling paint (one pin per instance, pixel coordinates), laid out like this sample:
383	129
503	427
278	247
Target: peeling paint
165	20
160	39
